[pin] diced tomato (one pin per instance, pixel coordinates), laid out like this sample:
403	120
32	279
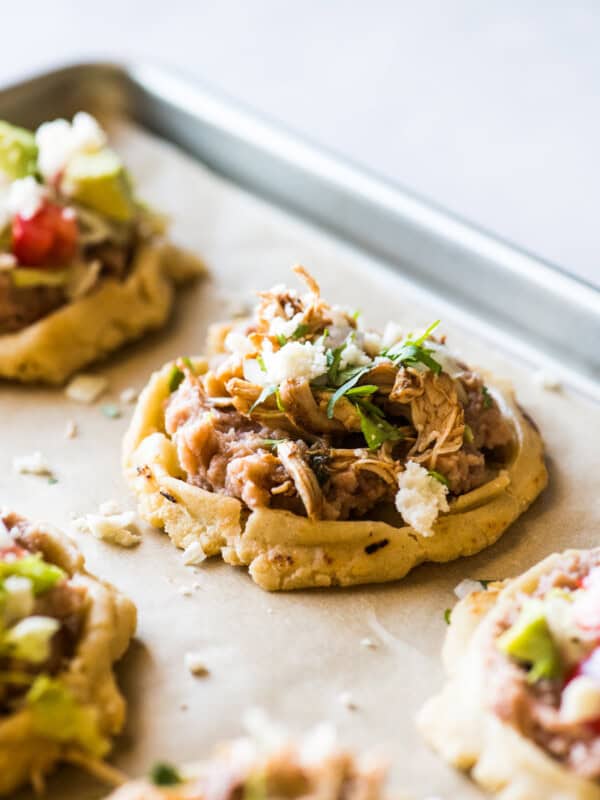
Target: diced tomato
12	552
49	238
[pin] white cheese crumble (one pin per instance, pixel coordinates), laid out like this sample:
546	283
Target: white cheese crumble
58	141
71	429
392	334
195	663
372	343
293	360
466	588
369	644
111	525
580	700
352	355
318	744
285	327
86	388
193	554
445	359
238	344
346	699
420	498
33	464
25	197
547	380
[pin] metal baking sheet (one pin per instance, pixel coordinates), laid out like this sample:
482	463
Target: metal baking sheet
293	654
530	305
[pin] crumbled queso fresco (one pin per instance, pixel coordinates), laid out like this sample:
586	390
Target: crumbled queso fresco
420	498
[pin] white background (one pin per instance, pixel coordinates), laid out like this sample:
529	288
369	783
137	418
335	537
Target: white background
489	108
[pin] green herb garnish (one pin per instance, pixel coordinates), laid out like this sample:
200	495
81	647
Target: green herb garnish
261	363
412	351
375	428
281	339
188	362
163	774
334	356
52	480
264	395
447	616
301	331
365	390
111	411
175	378
468	434
355	375
438	476
488	401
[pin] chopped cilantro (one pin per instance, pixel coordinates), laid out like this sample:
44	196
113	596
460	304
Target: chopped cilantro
362	391
52	480
355	375
438	476
375	428
261	363
356	314
175	378
264	395
447	616
334	356
409	354
411	351
301	331
485	583
163	774
111	411
281	339
426	333
487	397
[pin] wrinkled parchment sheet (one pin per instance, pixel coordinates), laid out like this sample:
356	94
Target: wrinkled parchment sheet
292	654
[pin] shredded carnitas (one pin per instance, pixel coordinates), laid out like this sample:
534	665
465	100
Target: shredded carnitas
306	409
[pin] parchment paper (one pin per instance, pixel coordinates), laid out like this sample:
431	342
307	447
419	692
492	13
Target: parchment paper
293	654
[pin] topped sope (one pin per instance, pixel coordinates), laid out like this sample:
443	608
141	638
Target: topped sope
321	451
71	225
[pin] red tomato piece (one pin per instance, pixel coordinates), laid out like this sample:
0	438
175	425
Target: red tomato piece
49	238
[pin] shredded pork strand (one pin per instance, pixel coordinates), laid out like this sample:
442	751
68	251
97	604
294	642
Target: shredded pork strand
287	444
